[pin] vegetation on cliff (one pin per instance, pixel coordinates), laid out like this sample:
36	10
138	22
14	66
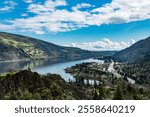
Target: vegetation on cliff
27	85
31	85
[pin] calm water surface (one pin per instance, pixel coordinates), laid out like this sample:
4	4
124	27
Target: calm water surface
55	66
59	68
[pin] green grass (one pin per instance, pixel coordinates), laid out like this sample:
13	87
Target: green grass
12	42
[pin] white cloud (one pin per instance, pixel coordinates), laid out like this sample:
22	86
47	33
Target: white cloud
24	14
121	11
82	5
49	18
48	21
105	44
6	8
5	27
48	6
28	1
8	5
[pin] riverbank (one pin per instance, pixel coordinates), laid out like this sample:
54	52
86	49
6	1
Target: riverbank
97	71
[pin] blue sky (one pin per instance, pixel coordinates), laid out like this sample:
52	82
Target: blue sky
87	24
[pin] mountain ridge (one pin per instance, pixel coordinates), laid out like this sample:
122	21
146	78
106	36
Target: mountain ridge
19	47
138	52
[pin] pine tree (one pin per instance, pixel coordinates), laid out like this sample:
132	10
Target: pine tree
118	95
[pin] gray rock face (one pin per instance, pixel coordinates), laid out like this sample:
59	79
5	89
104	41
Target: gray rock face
8	52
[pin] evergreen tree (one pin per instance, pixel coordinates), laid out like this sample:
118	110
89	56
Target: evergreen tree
102	92
118	95
96	96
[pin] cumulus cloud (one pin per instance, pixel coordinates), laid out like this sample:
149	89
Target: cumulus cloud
121	11
8	5
48	17
105	44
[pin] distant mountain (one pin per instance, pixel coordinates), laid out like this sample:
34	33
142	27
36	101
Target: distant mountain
17	47
138	52
108	53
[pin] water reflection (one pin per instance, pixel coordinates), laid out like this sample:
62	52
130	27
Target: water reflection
55	66
19	65
8	66
58	68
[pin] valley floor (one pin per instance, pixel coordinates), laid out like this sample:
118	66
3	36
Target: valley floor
112	78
